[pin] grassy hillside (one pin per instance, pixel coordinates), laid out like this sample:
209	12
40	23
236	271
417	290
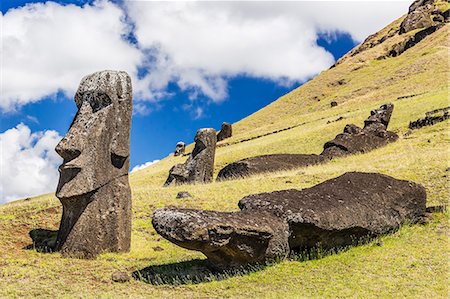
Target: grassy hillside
412	262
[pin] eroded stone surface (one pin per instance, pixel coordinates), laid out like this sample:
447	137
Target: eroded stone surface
423	14
336	213
199	167
93	185
225	132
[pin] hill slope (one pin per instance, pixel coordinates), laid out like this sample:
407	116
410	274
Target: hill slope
411	262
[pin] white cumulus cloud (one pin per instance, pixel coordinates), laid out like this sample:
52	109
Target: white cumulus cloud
142	166
29	163
48	47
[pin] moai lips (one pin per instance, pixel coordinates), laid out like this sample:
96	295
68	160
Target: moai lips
93	185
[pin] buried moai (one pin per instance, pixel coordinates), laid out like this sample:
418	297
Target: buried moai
225	132
336	213
93	184
199	167
179	149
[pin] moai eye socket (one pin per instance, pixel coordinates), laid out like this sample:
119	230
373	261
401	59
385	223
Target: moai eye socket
97	100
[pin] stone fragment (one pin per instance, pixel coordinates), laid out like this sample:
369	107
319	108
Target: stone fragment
183	194
337	213
199	167
225	132
120	277
93	184
333	104
179	149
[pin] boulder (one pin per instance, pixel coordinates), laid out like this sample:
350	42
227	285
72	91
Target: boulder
423	14
199	167
225	132
267	163
337	213
93	184
179	149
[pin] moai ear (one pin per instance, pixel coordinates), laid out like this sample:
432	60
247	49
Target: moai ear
120	144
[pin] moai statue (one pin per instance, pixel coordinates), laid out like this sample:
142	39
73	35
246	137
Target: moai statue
379	118
199	167
93	184
179	149
225	132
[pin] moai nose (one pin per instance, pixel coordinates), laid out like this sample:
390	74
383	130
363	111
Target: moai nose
67	148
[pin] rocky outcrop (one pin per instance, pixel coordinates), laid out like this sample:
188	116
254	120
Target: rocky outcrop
199	167
179	149
336	213
93	184
267	163
423	14
352	140
225	132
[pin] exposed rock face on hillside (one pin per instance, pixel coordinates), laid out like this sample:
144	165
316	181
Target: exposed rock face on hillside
336	213
352	140
93	185
199	167
423	14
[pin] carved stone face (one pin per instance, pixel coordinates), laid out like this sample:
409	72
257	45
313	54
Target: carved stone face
381	115
96	147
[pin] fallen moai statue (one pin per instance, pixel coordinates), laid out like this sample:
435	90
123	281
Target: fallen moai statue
199	167
267	163
356	140
179	149
93	184
225	132
431	118
352	140
340	212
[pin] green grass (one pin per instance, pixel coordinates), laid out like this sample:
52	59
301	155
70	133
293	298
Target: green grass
412	262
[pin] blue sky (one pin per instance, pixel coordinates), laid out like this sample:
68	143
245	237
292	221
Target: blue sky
183	80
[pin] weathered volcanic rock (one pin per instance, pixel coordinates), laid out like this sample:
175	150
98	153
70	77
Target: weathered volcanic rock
336	213
343	210
179	149
225	132
227	239
199	167
267	163
423	14
356	140
93	184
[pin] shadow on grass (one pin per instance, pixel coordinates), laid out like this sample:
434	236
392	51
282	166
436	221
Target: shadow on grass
44	240
189	272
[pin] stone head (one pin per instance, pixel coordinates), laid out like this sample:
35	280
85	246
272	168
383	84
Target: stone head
205	138
381	115
96	148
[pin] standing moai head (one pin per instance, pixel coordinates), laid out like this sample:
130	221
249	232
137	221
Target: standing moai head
93	183
179	149
199	167
379	118
225	132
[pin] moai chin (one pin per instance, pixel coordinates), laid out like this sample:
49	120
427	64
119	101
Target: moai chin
93	184
199	167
